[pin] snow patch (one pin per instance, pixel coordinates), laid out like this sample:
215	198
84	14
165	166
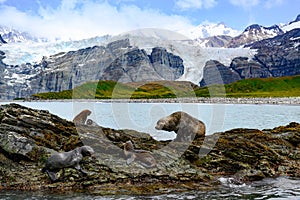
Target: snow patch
291	26
208	29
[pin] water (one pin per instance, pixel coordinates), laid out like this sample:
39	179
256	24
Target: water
143	116
272	189
217	117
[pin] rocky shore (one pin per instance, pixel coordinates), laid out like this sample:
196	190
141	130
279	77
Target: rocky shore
210	100
29	136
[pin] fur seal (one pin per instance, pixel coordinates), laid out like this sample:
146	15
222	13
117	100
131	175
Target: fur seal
184	125
70	159
145	157
80	119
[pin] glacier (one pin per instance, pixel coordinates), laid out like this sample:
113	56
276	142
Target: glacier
33	52
194	56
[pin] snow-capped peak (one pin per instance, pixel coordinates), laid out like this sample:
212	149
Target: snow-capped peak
208	29
262	32
291	25
11	35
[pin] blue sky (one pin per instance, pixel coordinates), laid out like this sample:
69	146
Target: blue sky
78	19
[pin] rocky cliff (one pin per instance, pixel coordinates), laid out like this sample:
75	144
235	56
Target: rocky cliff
28	137
117	61
275	57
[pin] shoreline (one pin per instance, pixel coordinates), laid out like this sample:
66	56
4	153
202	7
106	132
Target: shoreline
204	100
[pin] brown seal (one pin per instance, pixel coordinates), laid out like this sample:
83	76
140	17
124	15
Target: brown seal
70	159
145	157
184	125
80	119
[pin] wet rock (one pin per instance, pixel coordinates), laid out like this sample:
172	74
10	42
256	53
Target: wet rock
28	137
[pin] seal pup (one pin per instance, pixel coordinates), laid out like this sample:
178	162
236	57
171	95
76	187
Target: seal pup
80	119
145	157
70	159
184	125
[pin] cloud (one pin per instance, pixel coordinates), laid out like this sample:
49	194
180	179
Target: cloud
246	4
74	19
2	1
195	4
252	3
273	3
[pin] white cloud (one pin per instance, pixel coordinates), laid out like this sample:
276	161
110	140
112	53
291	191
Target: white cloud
195	4
74	19
2	1
246	4
252	3
273	3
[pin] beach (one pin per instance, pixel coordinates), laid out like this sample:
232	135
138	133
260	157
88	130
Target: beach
208	100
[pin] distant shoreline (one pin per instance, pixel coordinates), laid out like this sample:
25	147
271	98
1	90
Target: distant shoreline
213	100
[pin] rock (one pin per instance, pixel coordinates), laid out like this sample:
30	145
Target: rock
215	72
215	41
2	41
279	55
254	33
276	57
167	65
249	68
29	136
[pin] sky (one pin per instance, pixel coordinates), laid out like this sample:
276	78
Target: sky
78	19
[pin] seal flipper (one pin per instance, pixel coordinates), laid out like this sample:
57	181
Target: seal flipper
78	168
52	176
146	165
130	160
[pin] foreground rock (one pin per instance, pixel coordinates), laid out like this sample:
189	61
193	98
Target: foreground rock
28	137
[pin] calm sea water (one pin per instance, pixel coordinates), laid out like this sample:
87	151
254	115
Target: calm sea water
217	117
143	116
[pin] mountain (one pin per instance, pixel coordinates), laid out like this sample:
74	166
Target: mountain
118	61
276	57
291	25
254	33
11	35
214	41
251	34
148	55
208	30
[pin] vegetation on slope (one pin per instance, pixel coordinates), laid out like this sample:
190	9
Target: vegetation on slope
267	87
257	87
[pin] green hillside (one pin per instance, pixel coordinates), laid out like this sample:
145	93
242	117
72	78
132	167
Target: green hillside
268	87
116	90
258	87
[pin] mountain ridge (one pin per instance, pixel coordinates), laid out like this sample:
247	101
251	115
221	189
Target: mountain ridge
136	57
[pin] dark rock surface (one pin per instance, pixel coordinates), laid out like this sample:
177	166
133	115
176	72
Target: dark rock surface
215	72
28	136
215	41
2	41
137	66
280	55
